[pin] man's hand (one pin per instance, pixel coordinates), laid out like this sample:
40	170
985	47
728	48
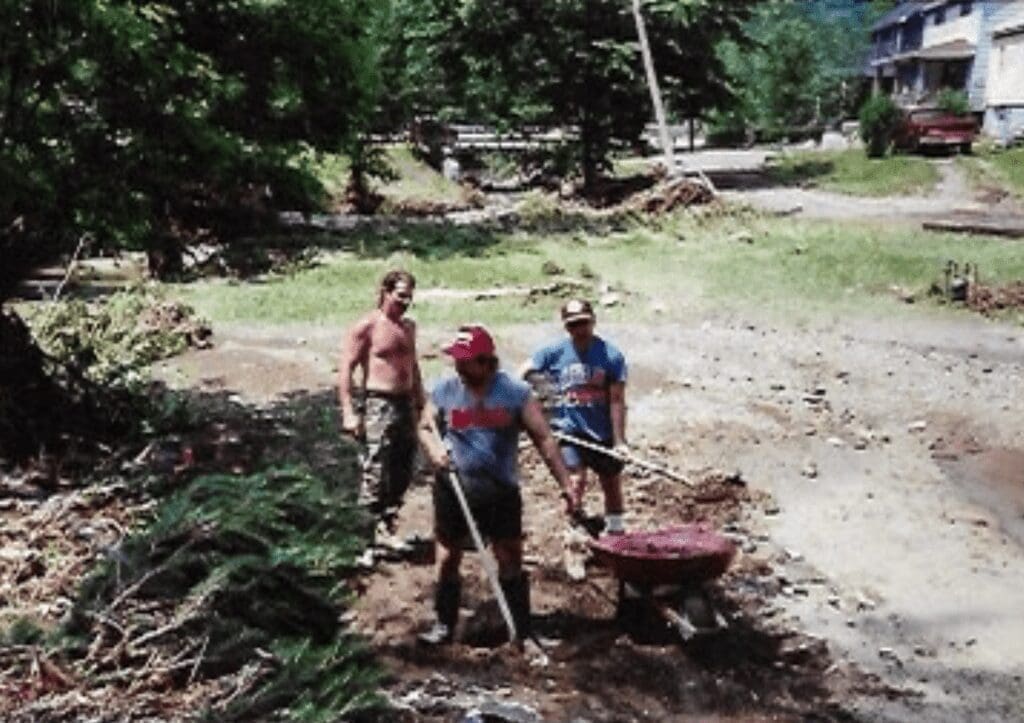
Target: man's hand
572	505
621	449
440	460
353	426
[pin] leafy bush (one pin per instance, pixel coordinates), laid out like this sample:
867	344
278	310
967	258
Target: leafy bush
113	341
954	102
879	118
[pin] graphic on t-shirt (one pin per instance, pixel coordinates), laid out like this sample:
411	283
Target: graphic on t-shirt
479	418
581	382
583	385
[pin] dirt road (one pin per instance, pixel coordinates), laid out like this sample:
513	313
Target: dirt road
883	514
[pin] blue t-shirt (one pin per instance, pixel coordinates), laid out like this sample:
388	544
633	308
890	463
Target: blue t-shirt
581	382
482	435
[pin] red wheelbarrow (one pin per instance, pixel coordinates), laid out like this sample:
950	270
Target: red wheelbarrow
668	570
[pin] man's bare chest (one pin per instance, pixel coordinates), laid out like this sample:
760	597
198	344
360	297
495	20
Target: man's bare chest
388	339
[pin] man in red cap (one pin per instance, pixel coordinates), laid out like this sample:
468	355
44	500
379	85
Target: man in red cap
471	426
588	377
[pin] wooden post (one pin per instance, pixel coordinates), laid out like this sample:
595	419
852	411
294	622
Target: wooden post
652	84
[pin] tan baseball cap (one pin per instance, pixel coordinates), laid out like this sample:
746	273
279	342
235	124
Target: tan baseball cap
577	310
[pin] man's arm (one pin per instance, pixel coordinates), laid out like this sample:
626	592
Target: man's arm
617	410
540	434
353	355
430	438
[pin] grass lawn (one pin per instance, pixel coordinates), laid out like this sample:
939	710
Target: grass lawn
416	180
1001	169
854	173
685	264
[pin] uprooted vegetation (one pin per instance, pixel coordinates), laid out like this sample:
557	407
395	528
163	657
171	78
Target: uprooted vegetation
75	376
228	597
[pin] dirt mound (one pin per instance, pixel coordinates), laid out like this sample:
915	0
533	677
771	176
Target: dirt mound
988	299
178	320
603	666
671	195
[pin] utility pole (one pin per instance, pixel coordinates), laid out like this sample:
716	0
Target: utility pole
652	84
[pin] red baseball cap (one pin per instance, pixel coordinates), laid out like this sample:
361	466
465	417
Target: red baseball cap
471	342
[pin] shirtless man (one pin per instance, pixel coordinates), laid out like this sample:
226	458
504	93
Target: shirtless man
383	414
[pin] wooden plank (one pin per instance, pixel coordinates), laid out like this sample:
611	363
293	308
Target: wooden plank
1007	226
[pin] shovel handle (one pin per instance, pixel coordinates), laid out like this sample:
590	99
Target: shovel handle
627	458
486	559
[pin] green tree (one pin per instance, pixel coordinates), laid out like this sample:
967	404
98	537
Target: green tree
146	124
576	63
804	65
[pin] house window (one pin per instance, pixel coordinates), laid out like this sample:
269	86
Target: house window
940	16
967	8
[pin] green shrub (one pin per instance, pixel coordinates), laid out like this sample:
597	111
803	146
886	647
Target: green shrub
953	101
879	118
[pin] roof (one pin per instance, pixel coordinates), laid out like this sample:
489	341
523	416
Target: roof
1011	23
958	49
897	15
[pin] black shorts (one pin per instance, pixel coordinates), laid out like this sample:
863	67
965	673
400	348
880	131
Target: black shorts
576	457
497	509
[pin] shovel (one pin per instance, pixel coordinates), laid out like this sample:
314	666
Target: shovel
627	458
486	558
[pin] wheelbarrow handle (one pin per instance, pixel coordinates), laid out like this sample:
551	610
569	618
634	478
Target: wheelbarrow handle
627	458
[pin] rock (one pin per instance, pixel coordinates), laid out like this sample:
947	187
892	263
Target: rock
810	470
609	300
550	268
836	442
743	237
888	653
865	603
918	426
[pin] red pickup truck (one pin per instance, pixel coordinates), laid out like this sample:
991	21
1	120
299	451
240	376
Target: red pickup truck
933	128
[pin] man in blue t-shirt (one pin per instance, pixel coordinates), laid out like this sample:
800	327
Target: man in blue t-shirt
587	375
471	427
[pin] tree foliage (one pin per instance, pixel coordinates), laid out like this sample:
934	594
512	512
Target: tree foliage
879	119
803	68
567	63
136	124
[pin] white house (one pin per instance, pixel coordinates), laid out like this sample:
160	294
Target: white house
977	46
1004	113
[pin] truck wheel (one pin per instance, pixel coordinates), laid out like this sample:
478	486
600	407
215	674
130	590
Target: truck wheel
965	149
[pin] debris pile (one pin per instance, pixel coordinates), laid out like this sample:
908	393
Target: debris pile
988	299
227	601
112	342
671	195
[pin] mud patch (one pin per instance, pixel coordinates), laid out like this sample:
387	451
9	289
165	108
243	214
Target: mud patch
604	667
994	480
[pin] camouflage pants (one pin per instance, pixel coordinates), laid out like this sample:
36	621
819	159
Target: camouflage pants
388	453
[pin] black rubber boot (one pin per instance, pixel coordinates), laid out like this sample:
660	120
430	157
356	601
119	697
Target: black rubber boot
517	593
447	595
